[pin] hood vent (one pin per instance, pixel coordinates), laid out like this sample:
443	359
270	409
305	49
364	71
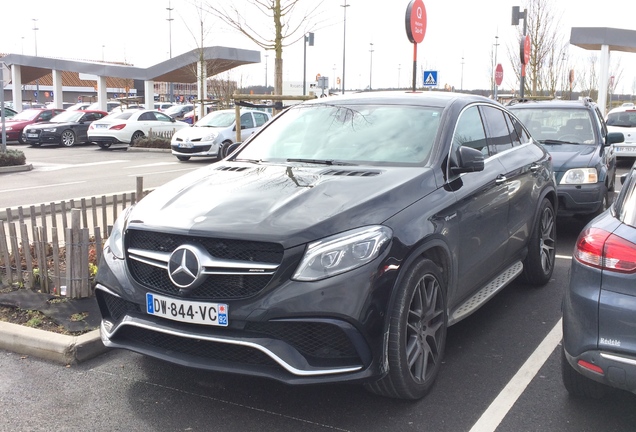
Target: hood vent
351	173
230	168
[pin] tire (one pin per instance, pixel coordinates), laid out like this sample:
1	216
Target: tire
578	385
605	203
417	334
20	140
223	148
183	158
135	136
67	139
539	264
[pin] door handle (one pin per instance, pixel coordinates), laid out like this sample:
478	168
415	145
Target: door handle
501	179
534	167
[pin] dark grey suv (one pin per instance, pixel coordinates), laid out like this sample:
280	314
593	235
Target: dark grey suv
336	244
582	150
599	309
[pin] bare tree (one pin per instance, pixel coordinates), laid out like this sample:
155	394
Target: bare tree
289	22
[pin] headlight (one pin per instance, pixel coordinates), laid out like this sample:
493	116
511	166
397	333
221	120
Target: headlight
580	176
48	129
210	137
115	241
8	128
342	252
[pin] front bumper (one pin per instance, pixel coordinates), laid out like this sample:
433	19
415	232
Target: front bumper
42	138
580	199
295	332
198	149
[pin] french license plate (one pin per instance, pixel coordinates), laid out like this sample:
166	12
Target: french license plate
30	135
185	145
101	126
627	149
214	314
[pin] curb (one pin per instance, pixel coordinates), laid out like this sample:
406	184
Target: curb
16	168
148	149
50	346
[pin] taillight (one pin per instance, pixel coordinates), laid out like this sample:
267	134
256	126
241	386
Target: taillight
598	248
118	127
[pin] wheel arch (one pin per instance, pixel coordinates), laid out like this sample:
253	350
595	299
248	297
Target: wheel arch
437	251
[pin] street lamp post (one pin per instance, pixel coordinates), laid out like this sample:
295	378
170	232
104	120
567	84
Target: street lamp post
516	16
265	72
35	38
461	83
170	19
344	43
493	69
399	68
370	64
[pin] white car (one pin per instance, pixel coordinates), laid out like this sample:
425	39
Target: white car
127	126
623	119
211	135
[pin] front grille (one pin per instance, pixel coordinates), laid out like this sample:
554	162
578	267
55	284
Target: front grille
192	149
315	340
214	287
194	348
117	306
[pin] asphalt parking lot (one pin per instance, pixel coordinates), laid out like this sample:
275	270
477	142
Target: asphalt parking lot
501	370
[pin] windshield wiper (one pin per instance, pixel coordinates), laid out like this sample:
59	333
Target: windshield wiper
552	141
320	161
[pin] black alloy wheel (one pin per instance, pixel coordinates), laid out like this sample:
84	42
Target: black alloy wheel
417	334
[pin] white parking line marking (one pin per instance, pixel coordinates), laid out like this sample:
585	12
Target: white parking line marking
162	172
492	417
153	165
47	166
41	186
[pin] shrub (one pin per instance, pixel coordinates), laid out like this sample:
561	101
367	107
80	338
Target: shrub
12	158
154	142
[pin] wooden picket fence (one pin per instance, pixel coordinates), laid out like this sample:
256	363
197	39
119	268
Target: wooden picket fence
55	247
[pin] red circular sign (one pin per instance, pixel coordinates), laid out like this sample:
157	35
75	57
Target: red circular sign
416	21
526	50
499	74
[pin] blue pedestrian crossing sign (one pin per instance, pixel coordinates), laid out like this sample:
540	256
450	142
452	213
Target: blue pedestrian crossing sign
430	78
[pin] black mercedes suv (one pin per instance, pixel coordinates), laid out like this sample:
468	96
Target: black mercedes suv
336	244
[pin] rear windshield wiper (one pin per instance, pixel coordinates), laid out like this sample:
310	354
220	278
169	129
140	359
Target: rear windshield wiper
320	161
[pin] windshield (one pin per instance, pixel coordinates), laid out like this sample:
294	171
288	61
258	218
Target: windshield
26	115
220	119
622	119
569	125
348	135
174	109
67	116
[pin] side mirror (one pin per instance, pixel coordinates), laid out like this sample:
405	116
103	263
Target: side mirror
468	160
624	178
614	137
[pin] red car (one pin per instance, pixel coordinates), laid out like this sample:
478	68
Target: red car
15	125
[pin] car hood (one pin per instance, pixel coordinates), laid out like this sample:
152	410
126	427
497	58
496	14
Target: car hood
14	123
195	132
286	204
43	125
568	156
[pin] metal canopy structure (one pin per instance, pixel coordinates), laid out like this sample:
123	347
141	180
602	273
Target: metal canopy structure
603	39
180	69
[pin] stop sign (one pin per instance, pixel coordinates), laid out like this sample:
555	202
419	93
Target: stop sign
499	74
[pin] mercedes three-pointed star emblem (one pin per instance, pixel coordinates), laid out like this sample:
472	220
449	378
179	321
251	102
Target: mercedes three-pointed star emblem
184	267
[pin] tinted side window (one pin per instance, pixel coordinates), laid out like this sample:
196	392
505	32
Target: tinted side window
147	116
523	136
470	131
246	121
260	118
162	117
599	119
498	133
